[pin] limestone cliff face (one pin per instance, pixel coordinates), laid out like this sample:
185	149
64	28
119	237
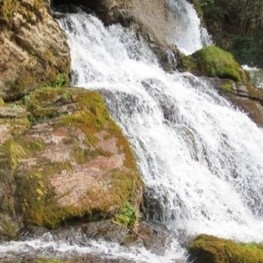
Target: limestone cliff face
33	47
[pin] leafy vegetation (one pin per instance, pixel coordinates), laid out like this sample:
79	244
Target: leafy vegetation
127	216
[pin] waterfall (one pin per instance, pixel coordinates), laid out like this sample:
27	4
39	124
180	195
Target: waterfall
186	31
255	75
200	158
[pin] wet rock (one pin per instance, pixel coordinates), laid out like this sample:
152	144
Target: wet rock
211	249
65	159
244	95
16	112
33	48
83	259
153	236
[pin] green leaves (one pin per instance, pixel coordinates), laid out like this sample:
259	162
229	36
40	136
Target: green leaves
128	216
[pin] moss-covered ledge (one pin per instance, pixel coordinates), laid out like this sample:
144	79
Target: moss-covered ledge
205	248
214	62
67	160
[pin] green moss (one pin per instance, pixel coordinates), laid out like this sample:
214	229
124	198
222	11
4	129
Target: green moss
7	9
214	62
211	249
91	117
43	103
127	216
36	200
2	103
187	63
121	188
73	110
227	87
125	187
82	156
123	146
62	80
7	227
19	148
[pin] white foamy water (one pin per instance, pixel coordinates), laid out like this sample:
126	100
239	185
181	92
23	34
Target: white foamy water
187	33
200	158
256	75
49	247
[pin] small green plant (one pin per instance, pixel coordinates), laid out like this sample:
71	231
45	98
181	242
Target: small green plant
128	216
60	81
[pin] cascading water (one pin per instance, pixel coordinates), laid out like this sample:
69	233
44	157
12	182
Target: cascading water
186	30
200	158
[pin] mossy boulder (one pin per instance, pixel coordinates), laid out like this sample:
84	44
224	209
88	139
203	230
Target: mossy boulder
64	159
34	51
214	62
13	122
209	249
235	26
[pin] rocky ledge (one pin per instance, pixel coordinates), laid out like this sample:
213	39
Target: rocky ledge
205	248
63	158
33	48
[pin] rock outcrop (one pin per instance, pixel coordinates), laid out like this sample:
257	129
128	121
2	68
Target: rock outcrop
205	248
33	48
244	95
213	61
63	159
227	76
152	19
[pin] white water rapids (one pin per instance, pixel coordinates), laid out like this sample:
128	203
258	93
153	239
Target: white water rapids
200	158
186	30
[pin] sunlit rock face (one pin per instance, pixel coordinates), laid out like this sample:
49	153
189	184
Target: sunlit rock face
33	47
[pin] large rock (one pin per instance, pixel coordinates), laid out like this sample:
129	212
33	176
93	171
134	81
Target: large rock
236	26
213	61
13	122
209	249
151	15
33	48
244	95
65	159
151	18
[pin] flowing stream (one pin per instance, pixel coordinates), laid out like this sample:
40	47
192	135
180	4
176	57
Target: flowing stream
186	30
200	158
